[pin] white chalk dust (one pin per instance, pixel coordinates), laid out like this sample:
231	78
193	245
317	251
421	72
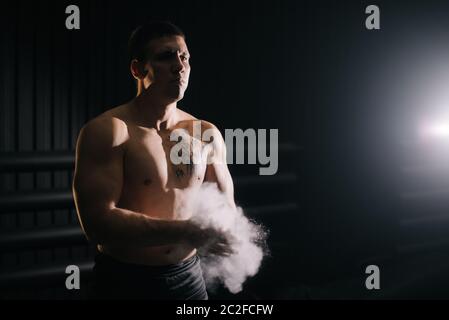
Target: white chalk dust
211	208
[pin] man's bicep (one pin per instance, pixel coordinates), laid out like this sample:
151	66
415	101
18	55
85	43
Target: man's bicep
220	174
217	168
97	186
98	174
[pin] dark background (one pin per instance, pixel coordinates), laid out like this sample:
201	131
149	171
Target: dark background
341	96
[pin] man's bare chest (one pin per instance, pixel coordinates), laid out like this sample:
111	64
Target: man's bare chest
163	159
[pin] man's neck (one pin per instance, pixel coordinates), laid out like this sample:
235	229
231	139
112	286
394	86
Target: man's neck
152	112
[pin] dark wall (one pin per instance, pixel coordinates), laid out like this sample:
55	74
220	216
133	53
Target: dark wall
54	80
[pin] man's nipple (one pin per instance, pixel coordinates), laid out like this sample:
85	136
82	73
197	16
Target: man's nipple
147	182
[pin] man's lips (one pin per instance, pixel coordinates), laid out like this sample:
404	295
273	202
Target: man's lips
178	80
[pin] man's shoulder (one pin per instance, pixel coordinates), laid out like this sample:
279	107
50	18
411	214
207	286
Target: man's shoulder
187	118
106	128
184	116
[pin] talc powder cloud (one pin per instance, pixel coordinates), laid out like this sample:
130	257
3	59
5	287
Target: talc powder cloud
211	209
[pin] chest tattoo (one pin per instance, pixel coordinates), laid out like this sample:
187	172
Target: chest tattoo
187	169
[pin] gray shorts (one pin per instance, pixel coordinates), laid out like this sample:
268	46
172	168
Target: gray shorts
113	279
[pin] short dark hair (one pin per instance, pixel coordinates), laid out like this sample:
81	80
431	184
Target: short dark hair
142	35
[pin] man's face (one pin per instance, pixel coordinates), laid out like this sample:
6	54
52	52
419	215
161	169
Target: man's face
168	67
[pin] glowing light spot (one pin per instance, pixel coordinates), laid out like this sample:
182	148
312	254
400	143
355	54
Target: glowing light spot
435	130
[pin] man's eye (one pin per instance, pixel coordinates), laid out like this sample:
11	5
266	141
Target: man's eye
185	58
164	56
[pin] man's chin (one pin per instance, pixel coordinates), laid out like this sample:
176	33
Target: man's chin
176	96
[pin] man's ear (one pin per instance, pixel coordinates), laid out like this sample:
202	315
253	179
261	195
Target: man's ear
138	69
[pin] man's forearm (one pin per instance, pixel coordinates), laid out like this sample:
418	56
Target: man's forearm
123	227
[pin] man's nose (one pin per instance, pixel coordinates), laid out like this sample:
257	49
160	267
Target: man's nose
178	65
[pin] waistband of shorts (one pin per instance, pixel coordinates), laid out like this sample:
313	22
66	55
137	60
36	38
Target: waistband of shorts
103	259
